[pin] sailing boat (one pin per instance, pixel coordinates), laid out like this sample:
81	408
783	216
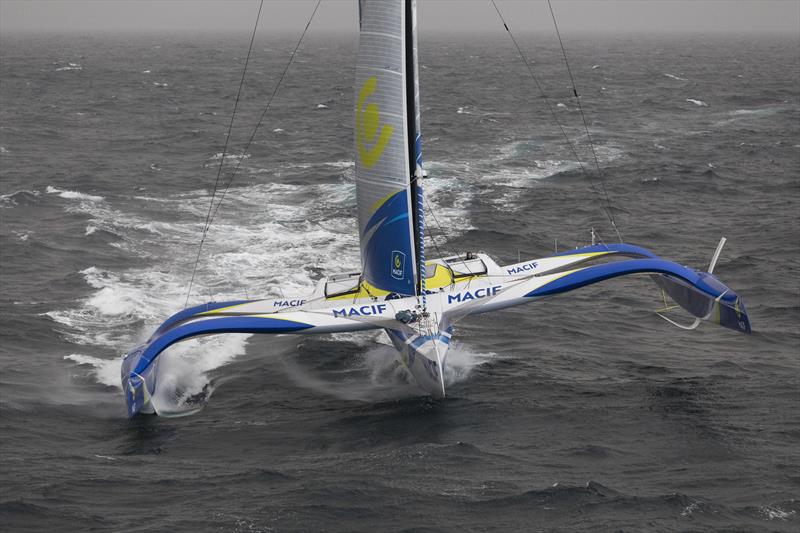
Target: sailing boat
415	300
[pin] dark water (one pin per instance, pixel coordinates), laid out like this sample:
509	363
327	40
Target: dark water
583	412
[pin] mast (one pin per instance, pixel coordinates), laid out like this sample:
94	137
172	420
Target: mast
415	141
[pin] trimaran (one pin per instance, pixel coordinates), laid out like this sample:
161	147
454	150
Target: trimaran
416	300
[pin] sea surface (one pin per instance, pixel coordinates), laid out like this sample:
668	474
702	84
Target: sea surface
581	412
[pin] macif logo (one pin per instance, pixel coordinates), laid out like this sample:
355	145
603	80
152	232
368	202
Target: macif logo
398	264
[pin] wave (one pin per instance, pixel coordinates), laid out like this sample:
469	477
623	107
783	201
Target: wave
462	361
70	66
675	507
73	195
674	77
752	114
697	102
16	198
106	371
471	110
218	156
513	168
776	513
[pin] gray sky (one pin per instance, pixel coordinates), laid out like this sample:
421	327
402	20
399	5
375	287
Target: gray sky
574	16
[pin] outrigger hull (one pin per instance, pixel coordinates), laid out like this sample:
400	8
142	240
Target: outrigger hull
458	287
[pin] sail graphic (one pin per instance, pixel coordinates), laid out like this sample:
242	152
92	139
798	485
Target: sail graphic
386	150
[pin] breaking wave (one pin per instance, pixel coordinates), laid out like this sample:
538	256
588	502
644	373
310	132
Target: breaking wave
19	198
70	66
73	195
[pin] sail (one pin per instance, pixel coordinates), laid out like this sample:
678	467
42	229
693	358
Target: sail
386	125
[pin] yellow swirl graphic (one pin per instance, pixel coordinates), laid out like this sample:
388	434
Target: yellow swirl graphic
367	118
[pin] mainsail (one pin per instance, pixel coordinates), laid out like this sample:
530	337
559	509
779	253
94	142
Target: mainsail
387	153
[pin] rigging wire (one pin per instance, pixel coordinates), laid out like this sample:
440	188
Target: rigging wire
585	124
441	231
224	152
213	210
550	108
266	108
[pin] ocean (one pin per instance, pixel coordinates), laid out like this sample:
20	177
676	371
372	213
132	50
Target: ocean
580	412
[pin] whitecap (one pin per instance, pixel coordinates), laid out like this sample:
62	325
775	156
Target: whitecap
322	106
697	102
106	371
183	367
776	513
218	156
758	112
674	77
689	509
462	361
70	66
73	195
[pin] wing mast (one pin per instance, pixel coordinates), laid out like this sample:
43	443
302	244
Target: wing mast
415	140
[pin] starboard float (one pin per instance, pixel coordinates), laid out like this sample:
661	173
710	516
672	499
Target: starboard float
415	300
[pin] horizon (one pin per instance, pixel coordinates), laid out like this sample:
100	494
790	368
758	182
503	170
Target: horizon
575	17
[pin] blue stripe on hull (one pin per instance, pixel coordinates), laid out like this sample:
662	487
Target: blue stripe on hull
186	314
